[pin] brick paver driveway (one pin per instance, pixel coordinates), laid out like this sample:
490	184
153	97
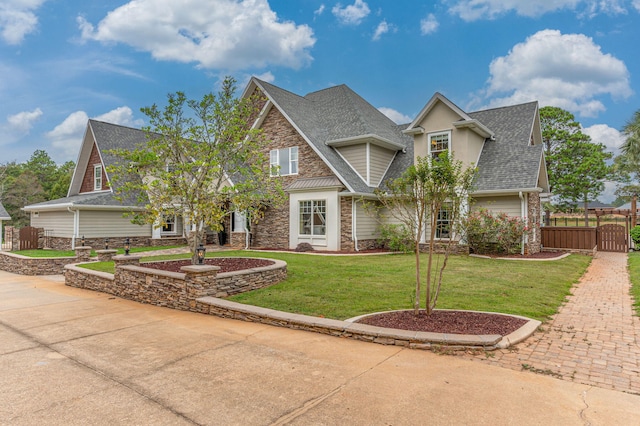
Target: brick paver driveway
594	339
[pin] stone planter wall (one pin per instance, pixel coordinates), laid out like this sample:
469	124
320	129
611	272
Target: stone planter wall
178	290
24	265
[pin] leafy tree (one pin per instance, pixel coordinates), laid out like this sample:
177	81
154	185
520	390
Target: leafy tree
628	163
24	190
63	175
201	156
558	127
416	199
580	171
44	168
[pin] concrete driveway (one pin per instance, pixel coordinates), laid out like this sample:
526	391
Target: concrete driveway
70	356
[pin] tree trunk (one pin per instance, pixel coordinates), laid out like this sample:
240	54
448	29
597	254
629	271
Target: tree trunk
586	213
634	202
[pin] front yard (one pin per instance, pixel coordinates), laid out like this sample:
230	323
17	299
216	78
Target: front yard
634	273
341	287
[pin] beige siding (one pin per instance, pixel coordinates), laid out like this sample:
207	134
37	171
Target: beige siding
59	224
366	224
95	224
465	144
510	205
356	156
379	160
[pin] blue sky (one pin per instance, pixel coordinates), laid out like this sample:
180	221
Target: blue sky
64	61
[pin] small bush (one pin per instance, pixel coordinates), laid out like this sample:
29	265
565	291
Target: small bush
635	236
396	237
303	247
488	233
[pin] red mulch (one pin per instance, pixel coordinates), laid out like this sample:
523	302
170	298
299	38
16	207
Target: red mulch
227	264
453	322
539	255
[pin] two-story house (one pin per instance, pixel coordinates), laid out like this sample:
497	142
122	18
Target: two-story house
331	149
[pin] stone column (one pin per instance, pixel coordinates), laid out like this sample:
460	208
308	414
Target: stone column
200	281
106	255
83	253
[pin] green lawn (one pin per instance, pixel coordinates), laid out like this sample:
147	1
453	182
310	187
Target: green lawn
341	287
634	272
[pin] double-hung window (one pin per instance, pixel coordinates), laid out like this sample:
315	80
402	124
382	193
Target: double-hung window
284	161
169	224
443	223
438	143
97	177
313	217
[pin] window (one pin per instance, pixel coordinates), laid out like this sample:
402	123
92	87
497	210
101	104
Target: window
438	142
97	177
443	223
284	161
169	225
313	216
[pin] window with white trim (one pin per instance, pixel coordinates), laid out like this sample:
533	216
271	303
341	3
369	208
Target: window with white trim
97	177
284	161
439	142
169	224
313	217
443	223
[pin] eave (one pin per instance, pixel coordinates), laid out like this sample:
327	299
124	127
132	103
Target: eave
369	138
475	126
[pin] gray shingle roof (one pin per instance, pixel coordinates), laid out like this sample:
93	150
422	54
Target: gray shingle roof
3	213
113	136
99	199
338	113
508	162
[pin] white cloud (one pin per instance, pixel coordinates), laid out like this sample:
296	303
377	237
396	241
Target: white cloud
17	19
471	10
352	14
67	136
383	28
610	137
320	10
23	121
565	70
395	116
429	24
225	34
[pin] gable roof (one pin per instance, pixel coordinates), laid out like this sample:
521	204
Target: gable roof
509	162
3	213
334	115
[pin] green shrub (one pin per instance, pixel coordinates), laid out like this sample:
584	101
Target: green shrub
488	233
635	236
396	237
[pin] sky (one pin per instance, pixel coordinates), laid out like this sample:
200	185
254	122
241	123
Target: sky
65	61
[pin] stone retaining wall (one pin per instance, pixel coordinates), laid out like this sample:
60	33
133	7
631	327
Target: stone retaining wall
178	290
24	265
352	330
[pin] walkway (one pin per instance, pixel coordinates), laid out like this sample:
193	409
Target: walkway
594	339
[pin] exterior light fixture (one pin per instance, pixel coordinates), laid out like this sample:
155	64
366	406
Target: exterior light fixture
127	246
106	244
82	241
201	251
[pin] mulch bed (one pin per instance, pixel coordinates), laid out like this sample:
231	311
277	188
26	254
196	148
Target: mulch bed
539	255
227	264
453	322
369	251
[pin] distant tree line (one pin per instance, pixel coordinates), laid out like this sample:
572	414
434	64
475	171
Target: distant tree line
36	180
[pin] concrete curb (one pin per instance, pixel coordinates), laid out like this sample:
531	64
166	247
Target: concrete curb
353	330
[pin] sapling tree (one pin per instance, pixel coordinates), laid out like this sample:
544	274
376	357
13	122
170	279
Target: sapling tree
201	159
429	199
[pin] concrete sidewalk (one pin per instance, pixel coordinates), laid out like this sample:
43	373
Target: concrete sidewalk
70	356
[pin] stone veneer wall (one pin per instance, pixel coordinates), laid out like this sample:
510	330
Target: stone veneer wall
534	242
273	230
24	265
60	243
178	290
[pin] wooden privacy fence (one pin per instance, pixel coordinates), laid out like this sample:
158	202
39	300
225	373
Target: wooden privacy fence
613	238
569	237
28	238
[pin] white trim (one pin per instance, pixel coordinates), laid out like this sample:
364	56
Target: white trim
514	191
438	133
65	206
368	138
97	167
368	162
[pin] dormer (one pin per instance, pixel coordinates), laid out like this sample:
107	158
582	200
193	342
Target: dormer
368	155
90	174
441	125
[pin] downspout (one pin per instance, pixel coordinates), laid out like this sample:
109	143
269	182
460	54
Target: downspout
524	218
354	223
76	227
